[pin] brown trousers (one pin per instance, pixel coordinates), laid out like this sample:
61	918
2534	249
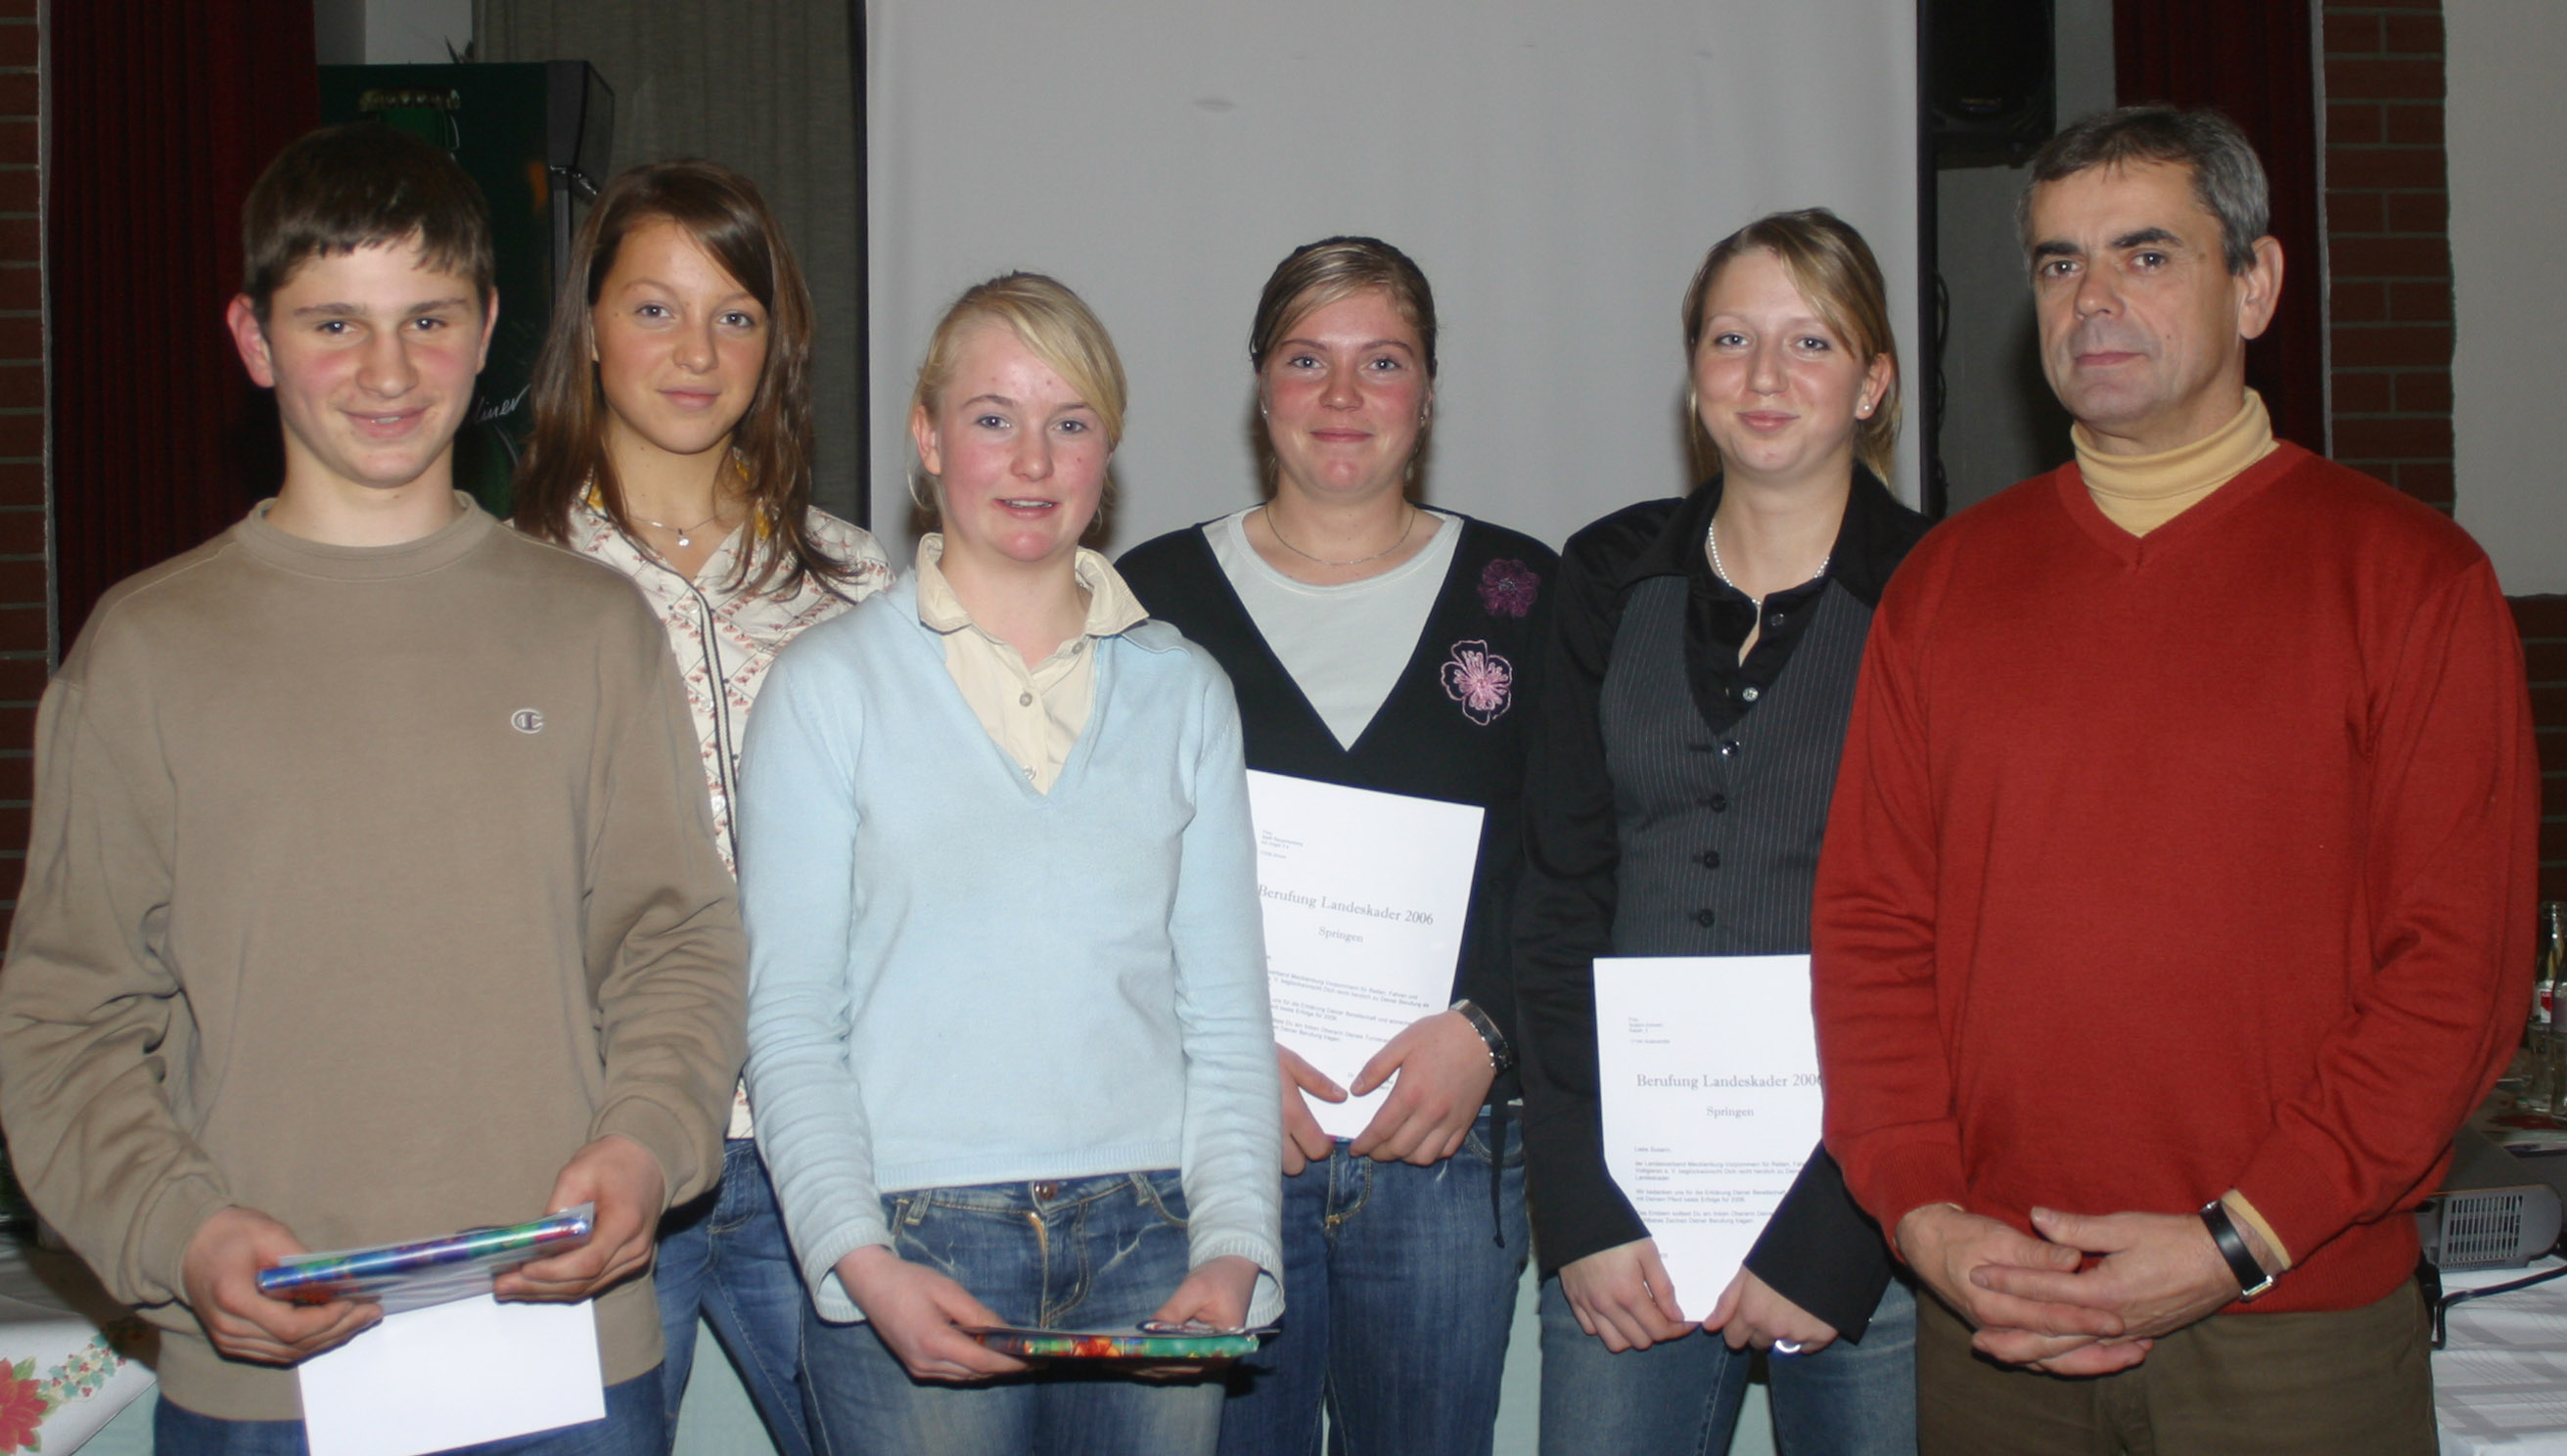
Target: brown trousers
2351	1383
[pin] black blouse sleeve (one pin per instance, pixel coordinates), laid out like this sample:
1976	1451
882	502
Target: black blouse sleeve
1564	907
1822	1251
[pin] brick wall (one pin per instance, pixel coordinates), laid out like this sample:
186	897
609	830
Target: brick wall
2389	255
25	628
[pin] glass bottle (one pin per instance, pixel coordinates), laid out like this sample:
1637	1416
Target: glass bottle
2545	1090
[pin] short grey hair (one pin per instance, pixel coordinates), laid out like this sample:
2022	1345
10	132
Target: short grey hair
2227	177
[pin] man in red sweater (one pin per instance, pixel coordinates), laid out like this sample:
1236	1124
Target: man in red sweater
2178	884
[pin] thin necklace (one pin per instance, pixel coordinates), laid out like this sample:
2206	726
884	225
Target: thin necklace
1358	561
683	531
1711	539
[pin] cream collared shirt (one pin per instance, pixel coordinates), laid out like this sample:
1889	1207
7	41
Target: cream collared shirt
1035	714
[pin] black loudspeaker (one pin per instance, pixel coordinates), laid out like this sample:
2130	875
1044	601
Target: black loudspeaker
579	137
579	123
1991	93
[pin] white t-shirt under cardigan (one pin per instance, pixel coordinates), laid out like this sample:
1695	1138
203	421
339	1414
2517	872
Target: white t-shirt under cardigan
956	979
1344	644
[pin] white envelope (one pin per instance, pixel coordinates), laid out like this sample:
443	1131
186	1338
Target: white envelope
455	1375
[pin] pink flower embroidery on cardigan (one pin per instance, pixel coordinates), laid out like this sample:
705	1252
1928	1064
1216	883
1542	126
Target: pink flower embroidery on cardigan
1480	679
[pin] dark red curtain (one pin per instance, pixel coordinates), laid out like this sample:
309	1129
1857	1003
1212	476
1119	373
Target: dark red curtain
165	112
2256	62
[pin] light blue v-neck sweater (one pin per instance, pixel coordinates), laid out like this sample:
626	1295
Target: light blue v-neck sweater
955	979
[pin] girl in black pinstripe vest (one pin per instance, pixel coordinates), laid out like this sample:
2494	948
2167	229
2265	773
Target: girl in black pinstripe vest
1700	678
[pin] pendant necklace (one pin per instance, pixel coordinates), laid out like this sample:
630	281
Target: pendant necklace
1358	561
683	532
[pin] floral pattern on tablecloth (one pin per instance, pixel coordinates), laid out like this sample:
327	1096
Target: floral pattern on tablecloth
28	1401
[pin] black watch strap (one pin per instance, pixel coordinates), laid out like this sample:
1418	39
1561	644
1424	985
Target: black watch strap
2252	1280
1502	1053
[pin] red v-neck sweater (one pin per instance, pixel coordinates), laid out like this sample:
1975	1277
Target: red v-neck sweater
2159	865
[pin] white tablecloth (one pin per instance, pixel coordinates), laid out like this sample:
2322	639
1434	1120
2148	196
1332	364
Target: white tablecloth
2500	1381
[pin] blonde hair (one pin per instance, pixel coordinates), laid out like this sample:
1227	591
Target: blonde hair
1053	323
1055	326
1830	266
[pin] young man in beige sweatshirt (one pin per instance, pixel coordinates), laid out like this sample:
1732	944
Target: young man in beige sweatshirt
370	895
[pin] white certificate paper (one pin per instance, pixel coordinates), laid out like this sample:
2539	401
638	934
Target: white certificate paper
1709	1070
454	1375
1364	897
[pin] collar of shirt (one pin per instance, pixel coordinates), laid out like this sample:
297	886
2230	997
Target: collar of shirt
1111	607
1872	540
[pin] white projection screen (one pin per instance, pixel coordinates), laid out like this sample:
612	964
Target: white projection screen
1558	170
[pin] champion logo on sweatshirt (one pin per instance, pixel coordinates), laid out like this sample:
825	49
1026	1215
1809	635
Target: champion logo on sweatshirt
526	720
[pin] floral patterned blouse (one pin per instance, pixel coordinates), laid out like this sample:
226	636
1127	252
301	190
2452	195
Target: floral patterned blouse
725	636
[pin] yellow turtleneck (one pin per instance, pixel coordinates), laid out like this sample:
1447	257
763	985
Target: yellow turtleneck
2139	493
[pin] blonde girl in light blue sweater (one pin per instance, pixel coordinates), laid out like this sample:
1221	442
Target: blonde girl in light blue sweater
1008	1035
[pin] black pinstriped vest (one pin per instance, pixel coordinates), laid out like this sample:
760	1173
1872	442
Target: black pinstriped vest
1720	832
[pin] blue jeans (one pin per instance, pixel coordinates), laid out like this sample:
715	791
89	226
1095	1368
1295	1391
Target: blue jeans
633	1426
1079	1252
1401	1302
725	1256
1682	1397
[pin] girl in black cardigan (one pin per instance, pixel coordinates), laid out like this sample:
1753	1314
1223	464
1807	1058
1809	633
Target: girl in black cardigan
1379	645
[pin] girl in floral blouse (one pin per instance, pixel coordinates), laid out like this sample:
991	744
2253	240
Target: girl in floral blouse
673	441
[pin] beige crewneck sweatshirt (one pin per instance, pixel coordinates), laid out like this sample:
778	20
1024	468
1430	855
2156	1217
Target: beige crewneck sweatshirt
2139	493
365	886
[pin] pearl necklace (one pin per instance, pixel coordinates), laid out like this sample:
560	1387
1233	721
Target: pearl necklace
1711	539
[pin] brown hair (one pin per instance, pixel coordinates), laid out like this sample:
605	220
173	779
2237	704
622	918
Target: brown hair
1318	274
1832	267
361	186
722	211
1055	326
